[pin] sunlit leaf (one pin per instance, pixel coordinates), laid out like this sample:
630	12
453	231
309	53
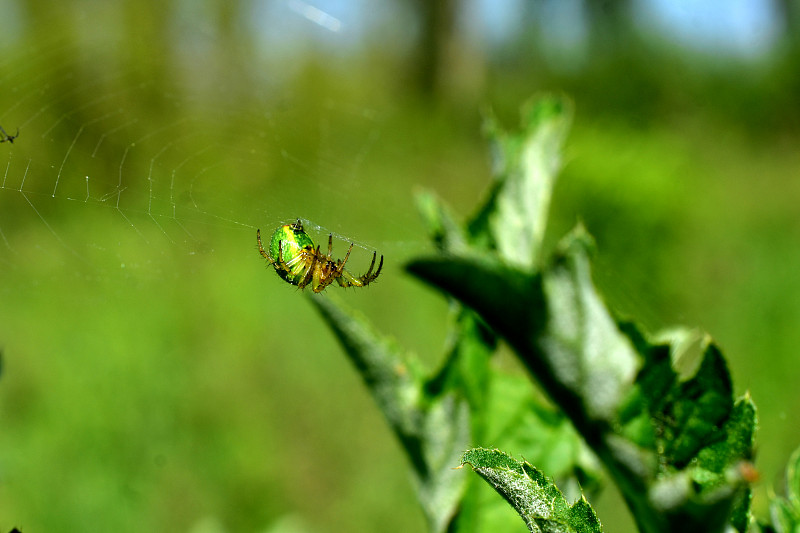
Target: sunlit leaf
785	511
537	500
525	166
433	429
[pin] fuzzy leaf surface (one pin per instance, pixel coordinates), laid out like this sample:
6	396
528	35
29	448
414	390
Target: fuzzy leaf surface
785	510
432	429
670	441
525	166
537	500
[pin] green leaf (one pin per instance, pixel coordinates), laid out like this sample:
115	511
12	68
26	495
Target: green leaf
483	283
691	417
465	374
537	500
645	421
466	367
445	233
556	323
525	166
727	462
432	429
521	422
395	385
659	414
793	480
526	424
580	340
739	439
784	516
785	511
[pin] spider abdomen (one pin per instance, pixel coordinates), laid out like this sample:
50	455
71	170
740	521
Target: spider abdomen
297	251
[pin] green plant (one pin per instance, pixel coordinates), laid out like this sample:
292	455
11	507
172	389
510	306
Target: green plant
657	412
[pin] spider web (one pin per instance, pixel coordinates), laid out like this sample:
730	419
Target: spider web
129	203
183	159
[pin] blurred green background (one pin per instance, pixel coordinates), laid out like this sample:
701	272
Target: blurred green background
156	376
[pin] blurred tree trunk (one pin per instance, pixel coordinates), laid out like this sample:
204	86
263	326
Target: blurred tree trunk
788	68
146	28
609	25
789	12
237	41
235	48
437	22
446	63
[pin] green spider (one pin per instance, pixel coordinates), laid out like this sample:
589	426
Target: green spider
292	254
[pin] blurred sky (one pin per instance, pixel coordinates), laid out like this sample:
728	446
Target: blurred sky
746	28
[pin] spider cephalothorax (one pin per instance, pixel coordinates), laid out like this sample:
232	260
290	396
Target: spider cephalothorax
297	261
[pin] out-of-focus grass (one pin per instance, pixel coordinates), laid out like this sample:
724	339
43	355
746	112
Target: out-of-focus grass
180	388
157	385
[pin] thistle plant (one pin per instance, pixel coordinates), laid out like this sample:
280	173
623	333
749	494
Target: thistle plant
655	413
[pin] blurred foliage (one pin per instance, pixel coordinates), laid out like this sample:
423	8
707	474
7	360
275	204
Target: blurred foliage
785	509
157	382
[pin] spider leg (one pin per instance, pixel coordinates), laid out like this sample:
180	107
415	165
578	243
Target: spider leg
281	263
371	266
261	249
310	269
346	257
380	266
330	245
278	263
369	276
346	279
340	272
